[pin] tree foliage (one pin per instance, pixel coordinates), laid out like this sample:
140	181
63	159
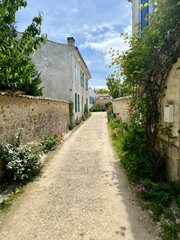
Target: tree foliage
145	67
116	88
17	71
101	90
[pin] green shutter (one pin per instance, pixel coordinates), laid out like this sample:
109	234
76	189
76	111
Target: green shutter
75	102
78	103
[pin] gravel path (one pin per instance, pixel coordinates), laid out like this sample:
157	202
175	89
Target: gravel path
83	194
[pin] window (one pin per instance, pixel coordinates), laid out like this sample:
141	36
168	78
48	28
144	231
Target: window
143	14
86	84
91	100
82	78
76	73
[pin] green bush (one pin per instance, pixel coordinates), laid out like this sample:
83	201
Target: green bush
136	168
86	110
51	141
178	202
71	115
158	193
98	108
114	122
107	105
133	140
71	126
21	163
169	232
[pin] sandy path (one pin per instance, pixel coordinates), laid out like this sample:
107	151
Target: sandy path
82	195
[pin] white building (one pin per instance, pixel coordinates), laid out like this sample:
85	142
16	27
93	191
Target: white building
64	73
92	97
139	15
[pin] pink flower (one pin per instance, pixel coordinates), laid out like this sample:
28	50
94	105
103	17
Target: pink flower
141	188
51	131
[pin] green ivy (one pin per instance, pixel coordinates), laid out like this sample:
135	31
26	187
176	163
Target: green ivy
145	67
71	115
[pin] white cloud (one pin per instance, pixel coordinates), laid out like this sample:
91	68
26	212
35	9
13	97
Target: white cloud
105	42
95	25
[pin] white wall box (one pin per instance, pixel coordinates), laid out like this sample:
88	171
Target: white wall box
168	113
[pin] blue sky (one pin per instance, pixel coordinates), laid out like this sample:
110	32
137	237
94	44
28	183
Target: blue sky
95	24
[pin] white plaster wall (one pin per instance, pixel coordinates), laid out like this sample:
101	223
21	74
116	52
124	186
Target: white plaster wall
121	107
92	94
53	60
135	16
57	62
77	88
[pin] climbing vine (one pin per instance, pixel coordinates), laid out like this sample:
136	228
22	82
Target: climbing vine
145	66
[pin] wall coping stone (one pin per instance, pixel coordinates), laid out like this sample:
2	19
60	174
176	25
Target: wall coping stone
122	98
21	95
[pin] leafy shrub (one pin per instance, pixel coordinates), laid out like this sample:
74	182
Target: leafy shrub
107	105
71	126
114	122
51	141
110	117
135	167
169	232
21	163
157	193
98	108
71	115
178	202
86	110
133	140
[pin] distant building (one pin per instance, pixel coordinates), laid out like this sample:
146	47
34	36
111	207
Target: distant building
104	96
139	14
64	73
102	99
92	97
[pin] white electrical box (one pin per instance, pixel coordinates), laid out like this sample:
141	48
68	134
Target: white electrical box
168	113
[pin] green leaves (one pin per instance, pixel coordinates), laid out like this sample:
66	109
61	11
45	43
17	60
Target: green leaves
144	68
17	72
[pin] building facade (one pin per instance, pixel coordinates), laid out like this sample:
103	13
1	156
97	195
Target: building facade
64	73
92	97
139	15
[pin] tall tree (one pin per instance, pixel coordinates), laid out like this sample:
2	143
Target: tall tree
116	88
17	71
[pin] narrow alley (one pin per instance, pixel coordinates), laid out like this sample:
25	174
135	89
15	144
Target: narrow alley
82	194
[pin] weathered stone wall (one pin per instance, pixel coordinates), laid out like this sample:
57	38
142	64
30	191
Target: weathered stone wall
172	97
102	102
121	108
35	115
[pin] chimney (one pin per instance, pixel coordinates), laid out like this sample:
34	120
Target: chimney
71	41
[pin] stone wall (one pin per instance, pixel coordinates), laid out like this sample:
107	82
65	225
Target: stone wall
172	96
35	115
102	102
121	108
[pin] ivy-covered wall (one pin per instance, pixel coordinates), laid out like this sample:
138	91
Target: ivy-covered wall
35	115
172	96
